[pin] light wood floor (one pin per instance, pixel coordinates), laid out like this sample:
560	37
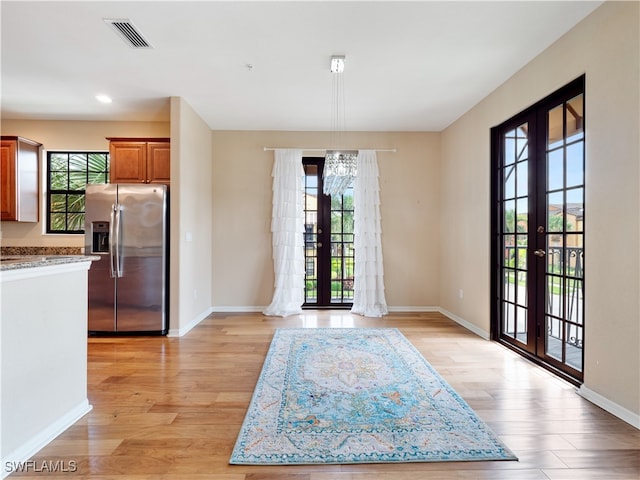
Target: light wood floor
171	408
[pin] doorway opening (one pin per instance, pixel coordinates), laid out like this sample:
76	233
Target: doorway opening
328	242
538	228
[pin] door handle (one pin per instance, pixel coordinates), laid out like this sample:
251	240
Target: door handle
540	253
112	240
319	244
115	241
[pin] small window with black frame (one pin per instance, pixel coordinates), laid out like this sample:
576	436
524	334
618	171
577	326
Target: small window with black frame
68	173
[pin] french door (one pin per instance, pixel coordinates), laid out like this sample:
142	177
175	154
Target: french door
328	242
538	190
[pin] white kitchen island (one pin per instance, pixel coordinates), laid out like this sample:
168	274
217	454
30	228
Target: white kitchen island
43	358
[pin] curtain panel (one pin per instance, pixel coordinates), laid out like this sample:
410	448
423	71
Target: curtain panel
368	296
287	229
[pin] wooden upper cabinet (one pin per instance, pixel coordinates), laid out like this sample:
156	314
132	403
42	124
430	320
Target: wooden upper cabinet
19	187
140	160
159	162
128	162
8	204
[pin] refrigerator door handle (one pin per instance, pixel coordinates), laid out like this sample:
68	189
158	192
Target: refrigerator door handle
117	235
113	244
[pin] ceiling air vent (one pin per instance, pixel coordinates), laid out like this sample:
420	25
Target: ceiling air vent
128	32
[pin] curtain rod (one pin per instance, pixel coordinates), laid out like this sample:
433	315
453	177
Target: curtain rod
325	149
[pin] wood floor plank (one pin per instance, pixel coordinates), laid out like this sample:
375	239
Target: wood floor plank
616	473
171	408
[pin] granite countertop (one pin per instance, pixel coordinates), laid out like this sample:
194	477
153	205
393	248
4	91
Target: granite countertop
14	262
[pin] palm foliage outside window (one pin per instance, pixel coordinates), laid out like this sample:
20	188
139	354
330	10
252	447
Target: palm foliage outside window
68	173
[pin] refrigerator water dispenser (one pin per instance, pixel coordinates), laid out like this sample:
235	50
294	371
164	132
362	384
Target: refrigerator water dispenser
100	237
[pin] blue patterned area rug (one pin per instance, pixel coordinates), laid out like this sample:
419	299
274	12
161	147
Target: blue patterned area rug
357	395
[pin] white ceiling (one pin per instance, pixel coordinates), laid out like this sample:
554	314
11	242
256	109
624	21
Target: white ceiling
410	66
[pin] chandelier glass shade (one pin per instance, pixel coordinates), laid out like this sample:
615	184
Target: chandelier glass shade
340	169
340	166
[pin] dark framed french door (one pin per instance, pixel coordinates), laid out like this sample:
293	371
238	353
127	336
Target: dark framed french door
328	242
538	207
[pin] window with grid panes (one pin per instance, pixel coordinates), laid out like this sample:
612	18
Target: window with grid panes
68	173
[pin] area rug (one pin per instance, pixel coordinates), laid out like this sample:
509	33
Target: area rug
357	395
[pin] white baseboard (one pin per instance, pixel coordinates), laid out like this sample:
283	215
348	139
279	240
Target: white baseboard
40	440
613	408
401	309
468	325
243	309
254	309
179	332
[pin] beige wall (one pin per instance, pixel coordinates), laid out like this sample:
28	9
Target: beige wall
605	47
66	135
410	197
191	218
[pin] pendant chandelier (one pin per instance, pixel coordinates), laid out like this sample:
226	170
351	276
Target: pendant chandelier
340	166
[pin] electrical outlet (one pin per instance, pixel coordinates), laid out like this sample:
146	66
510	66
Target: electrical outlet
461	294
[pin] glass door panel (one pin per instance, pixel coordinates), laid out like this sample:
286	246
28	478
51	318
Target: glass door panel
538	189
311	190
342	251
515	233
565	234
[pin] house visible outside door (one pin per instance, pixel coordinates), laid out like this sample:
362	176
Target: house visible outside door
328	242
538	198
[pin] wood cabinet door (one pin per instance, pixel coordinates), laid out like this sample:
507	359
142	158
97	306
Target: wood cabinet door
128	162
8	192
159	162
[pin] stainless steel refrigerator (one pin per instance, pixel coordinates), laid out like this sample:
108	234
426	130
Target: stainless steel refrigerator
126	226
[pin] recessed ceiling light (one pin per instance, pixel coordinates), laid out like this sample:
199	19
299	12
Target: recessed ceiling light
102	98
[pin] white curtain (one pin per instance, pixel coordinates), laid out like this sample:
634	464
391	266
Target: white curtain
287	228
368	295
